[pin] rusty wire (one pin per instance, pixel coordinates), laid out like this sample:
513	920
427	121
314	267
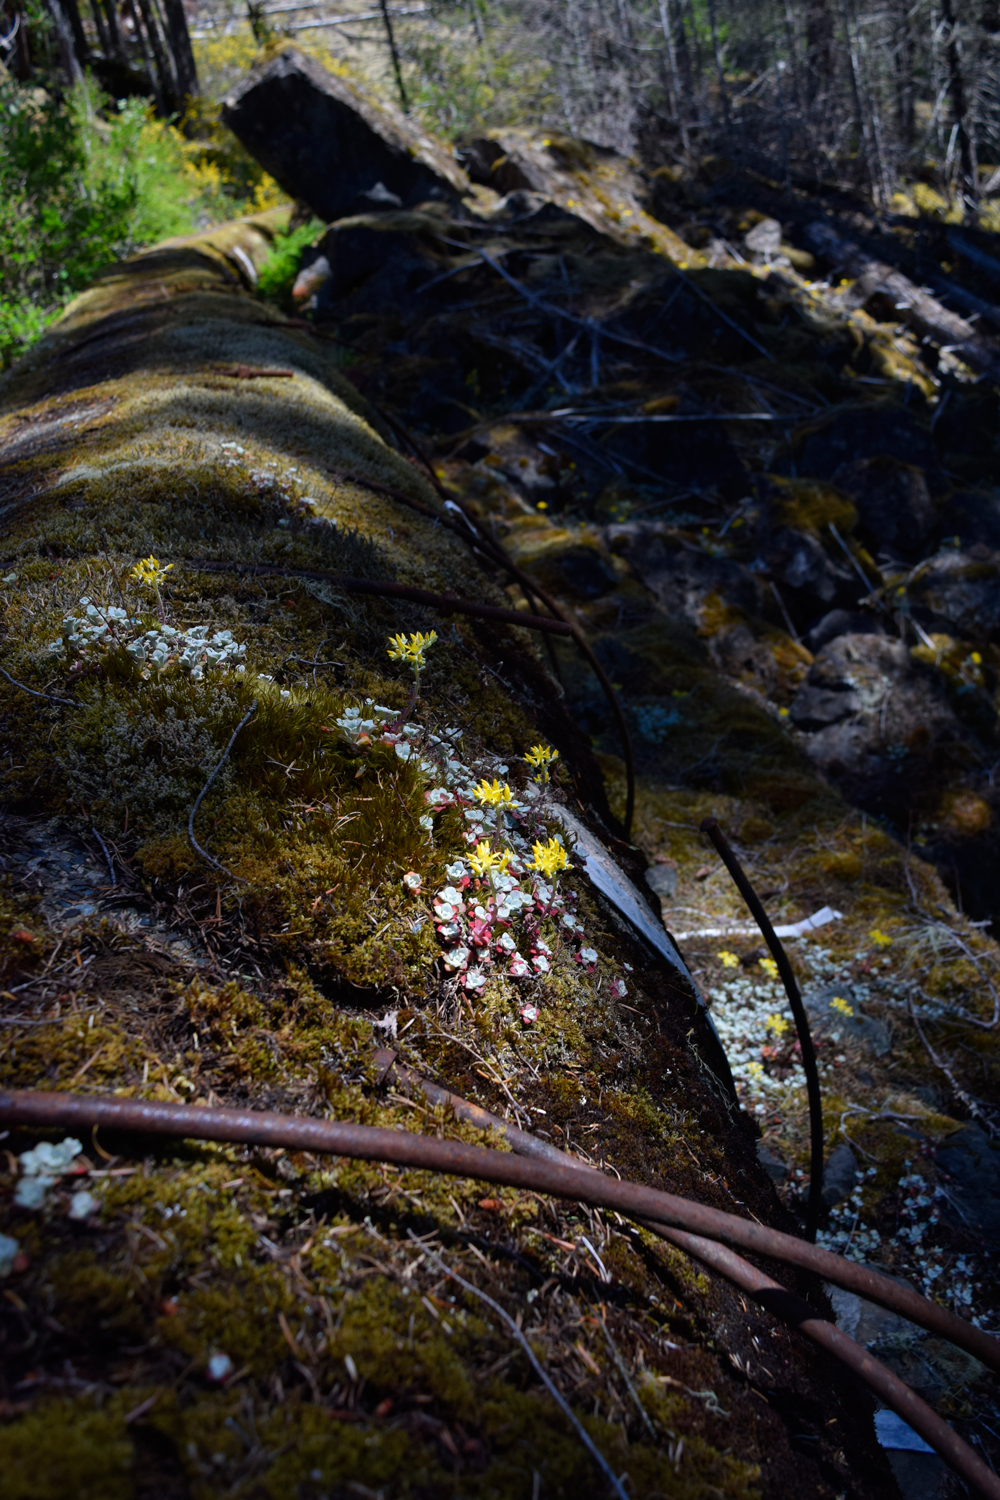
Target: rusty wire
746	890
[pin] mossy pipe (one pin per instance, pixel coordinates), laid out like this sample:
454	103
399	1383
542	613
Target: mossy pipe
746	890
774	1297
41	1109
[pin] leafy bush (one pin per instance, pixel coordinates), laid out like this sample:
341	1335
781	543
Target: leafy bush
84	182
278	273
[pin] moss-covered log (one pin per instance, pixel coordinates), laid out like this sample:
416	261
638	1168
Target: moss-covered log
198	1321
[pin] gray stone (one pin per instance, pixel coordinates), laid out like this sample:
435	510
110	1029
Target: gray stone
839	1175
329	143
895	508
764	240
972	1162
775	1168
662	881
825	1018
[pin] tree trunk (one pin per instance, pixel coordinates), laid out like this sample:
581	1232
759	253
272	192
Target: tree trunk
180	47
913	305
957	96
66	41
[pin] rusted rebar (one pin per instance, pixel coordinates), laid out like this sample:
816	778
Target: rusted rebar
446	604
815	1201
40	1109
772	1296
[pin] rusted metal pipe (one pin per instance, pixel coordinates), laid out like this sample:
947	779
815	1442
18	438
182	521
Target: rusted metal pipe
445	604
771	1295
892	1391
41	1109
746	890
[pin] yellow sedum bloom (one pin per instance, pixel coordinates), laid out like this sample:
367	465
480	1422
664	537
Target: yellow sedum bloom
496	794
411	648
880	939
550	858
486	859
540	757
770	967
151	572
756	1071
778	1024
728	960
839	1003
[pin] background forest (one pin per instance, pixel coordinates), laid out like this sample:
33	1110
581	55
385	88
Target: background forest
111	136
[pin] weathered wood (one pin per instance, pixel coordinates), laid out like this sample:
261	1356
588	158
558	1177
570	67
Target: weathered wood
915	307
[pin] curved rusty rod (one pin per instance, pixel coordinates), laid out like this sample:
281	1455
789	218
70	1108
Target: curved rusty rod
771	1295
447	604
815	1201
40	1108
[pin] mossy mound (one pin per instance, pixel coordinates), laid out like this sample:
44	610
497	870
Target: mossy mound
211	1320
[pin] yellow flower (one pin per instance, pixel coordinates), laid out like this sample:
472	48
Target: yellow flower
411	648
756	1071
540	757
778	1024
976	659
496	795
880	939
838	1003
550	858
770	967
728	960
486	859
151	572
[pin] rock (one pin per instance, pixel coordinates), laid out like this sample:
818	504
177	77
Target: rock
592	182
764	241
773	1165
885	731
972	1162
393	247
329	143
962	590
681	578
894	505
662	881
816	707
973	516
839	1175
826	1017
856	432
803	568
842	622
930	1365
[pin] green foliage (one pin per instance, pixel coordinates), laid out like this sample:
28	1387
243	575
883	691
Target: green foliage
81	185
277	274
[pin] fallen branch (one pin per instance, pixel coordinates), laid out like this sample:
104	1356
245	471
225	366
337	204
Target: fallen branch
65	702
915	307
536	1365
210	858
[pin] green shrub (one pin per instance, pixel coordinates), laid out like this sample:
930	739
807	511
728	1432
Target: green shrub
85	182
278	273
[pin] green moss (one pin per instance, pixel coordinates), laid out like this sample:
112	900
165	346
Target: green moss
66	1448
